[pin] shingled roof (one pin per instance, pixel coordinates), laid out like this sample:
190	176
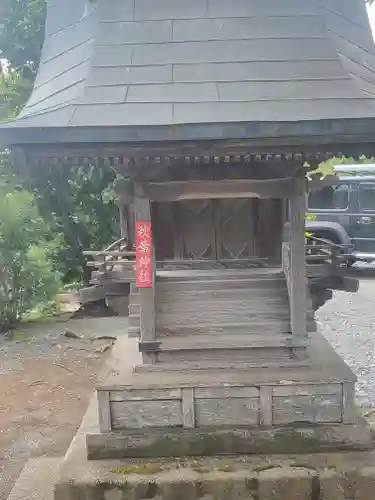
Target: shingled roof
115	63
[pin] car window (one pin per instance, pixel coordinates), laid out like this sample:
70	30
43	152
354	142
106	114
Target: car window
366	194
335	197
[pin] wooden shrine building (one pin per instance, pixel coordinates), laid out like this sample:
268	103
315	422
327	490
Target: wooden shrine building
212	111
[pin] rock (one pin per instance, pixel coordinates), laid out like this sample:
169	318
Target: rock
105	337
70	334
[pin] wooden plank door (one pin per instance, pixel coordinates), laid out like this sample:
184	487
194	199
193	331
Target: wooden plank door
215	229
195	231
234	228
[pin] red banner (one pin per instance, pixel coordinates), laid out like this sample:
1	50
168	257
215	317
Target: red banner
143	257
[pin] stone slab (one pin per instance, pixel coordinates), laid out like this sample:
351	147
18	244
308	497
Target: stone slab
304	477
211	441
37	479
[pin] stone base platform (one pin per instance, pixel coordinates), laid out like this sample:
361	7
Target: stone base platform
211	441
277	407
304	477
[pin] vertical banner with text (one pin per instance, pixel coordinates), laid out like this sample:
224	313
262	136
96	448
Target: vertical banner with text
143	243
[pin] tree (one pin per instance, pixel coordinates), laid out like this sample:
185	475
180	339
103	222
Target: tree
27	277
76	205
22	34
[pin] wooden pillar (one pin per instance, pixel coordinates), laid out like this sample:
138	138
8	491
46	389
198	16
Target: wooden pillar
125	203
142	210
298	280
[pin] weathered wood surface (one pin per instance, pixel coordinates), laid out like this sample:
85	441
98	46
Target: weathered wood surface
348	403
134	322
243	188
146	295
297	278
142	414
256	355
229	406
188	408
145	394
227	412
223	406
223	303
207	366
312	409
214	342
105	423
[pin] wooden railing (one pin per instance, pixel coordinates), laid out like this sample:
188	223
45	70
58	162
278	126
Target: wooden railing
323	258
116	253
331	257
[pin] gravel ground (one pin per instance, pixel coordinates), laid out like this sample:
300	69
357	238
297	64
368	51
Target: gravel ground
46	380
348	322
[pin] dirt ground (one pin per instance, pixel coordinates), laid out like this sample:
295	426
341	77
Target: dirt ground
46	380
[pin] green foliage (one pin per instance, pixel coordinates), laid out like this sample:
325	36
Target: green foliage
27	277
81	215
327	167
14	91
22	33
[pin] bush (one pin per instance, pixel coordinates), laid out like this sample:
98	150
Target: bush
27	277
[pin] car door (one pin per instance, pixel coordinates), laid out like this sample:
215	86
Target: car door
364	219
332	203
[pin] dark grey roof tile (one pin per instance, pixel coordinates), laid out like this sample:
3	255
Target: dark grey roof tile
259	70
74	35
175	92
134	32
64	14
116	11
123	75
59	117
263	8
353	11
232	50
307	89
104	94
169	9
248	28
62	97
64	80
123	114
160	62
118	55
65	62
272	111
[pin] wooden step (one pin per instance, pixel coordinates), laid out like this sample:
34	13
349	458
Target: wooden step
256	356
229	328
220	274
215	342
207	365
219	284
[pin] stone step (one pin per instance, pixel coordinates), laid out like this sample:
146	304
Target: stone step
37	479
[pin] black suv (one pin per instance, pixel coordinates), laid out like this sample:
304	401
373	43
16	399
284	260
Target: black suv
344	212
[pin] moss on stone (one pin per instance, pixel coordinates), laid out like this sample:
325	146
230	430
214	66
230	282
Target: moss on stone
226	468
144	469
198	467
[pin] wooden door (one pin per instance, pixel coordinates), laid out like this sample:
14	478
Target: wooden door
214	229
194	229
234	228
